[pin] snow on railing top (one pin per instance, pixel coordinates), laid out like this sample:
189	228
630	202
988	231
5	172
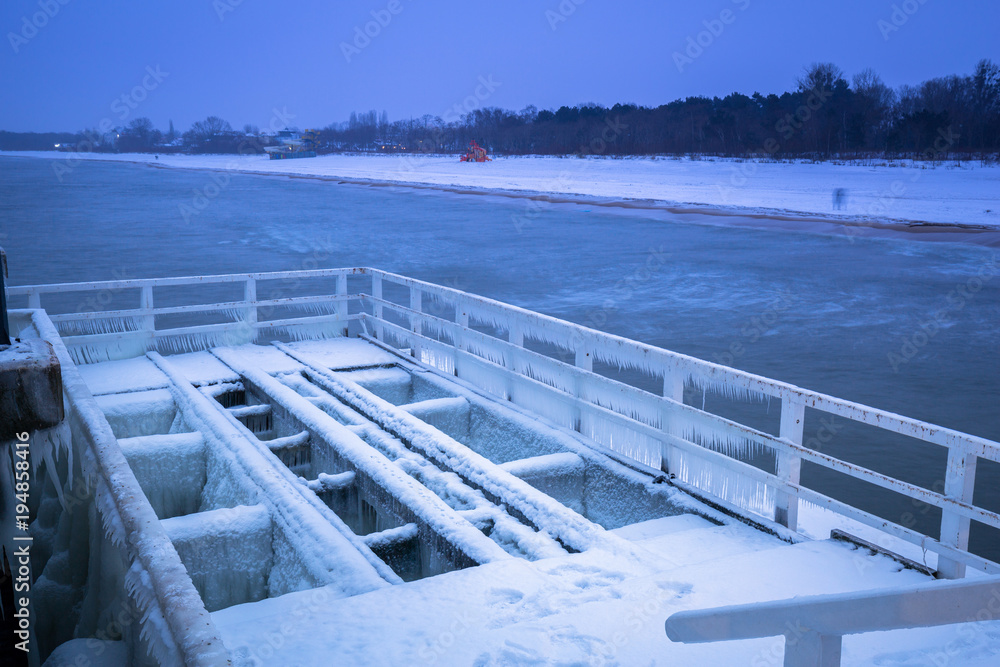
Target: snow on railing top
647	427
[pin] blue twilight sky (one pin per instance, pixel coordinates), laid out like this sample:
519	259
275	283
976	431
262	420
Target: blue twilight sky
66	64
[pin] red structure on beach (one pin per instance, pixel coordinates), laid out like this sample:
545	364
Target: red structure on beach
476	153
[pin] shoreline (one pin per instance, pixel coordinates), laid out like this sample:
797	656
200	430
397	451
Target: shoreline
695	213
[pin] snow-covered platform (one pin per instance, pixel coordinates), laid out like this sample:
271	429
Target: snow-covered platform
455	481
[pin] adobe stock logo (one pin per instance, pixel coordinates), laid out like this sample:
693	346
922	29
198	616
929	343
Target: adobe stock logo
899	17
697	44
47	10
381	18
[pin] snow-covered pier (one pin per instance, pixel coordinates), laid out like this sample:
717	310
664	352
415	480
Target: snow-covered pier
355	466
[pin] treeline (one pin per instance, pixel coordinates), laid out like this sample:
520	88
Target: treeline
825	115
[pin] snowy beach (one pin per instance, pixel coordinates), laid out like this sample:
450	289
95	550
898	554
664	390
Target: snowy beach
944	196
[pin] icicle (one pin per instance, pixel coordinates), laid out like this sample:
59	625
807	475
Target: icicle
92	353
442	361
554	377
103	325
486	351
619	438
114	529
729	485
314	330
724	389
481	375
154	630
544	401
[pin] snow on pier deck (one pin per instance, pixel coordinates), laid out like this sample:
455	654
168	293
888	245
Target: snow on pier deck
327	473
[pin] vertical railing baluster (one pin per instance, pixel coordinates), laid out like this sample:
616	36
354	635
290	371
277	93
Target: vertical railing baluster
341	307
416	300
377	305
583	360
673	388
148	319
512	359
959	484
810	648
377	296
250	310
789	468
515	336
462	317
34	299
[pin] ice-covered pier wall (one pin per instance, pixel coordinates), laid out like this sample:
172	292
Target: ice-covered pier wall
103	567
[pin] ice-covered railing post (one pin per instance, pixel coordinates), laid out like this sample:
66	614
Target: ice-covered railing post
673	388
515	336
462	319
250	298
416	324
377	304
585	361
786	505
341	307
146	308
959	484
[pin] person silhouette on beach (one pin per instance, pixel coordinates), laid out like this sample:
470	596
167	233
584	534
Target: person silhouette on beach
839	199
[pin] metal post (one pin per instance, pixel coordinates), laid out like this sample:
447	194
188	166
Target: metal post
786	505
673	388
4	325
250	297
959	484
462	318
341	307
146	304
515	336
812	650
416	298
584	360
377	296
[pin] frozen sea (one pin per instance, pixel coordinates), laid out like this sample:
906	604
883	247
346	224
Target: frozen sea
906	325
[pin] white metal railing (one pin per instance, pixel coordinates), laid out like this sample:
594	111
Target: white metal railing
656	416
87	332
650	428
814	626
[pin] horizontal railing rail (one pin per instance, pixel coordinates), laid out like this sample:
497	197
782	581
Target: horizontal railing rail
649	428
814	626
